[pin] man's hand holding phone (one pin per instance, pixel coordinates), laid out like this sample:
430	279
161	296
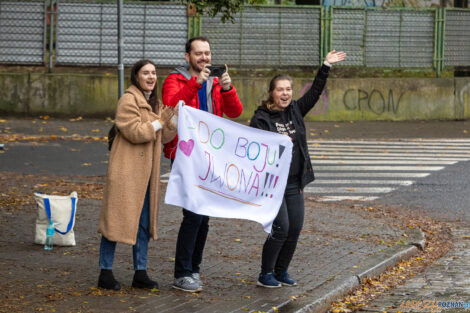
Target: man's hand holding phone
225	80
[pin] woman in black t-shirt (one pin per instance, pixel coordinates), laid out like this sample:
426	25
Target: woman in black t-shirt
279	113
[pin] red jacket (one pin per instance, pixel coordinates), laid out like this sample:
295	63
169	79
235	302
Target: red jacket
177	87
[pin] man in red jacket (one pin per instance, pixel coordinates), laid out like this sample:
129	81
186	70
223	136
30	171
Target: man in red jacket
197	88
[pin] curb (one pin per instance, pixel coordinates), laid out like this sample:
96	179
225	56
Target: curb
341	285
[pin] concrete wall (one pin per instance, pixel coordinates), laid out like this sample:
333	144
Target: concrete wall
73	94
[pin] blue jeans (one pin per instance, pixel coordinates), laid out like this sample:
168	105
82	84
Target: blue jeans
280	245
139	250
190	244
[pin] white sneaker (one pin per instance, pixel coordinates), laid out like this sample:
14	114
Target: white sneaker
197	278
186	283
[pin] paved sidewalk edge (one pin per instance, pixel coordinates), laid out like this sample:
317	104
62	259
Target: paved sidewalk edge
342	284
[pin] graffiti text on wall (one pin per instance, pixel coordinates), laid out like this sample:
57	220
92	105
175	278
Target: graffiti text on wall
374	101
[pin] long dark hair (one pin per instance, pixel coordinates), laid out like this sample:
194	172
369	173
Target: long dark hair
153	100
269	102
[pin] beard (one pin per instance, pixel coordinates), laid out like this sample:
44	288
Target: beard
197	67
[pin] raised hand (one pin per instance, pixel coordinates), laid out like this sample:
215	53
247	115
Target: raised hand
334	57
225	80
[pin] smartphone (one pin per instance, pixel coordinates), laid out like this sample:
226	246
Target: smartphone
216	70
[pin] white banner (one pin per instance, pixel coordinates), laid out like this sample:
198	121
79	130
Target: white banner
225	169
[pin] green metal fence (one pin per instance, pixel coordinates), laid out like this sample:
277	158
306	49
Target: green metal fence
429	39
405	38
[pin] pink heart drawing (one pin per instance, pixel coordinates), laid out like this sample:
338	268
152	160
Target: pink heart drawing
187	146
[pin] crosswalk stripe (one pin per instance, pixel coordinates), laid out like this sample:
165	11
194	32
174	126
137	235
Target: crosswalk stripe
385	156
389	149
380	168
327	161
342	198
413	142
363	181
346	190
321	174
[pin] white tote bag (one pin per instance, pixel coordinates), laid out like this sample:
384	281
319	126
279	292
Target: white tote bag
61	210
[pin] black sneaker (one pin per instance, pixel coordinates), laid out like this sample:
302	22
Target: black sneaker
284	279
268	280
107	280
141	280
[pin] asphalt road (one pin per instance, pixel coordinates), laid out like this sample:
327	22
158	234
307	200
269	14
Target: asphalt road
63	157
443	195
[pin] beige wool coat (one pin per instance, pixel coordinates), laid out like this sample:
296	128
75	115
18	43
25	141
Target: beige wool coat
134	163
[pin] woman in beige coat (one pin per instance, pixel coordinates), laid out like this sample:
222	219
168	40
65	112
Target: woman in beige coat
130	203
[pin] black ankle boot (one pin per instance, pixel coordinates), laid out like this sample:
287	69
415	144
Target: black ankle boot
107	281
141	280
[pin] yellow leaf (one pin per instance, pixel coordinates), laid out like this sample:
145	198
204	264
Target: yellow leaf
3	121
95	130
237	240
122	301
63	129
275	309
86	164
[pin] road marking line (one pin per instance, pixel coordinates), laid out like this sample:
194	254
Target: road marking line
327	161
387	149
320	174
342	198
428	142
363	181
347	190
384	156
380	168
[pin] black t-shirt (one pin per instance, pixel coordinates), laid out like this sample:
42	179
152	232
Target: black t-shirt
284	125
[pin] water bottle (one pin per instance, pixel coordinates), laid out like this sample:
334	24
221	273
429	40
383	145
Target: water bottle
49	236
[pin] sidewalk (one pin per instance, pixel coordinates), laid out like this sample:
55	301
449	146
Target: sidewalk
340	243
